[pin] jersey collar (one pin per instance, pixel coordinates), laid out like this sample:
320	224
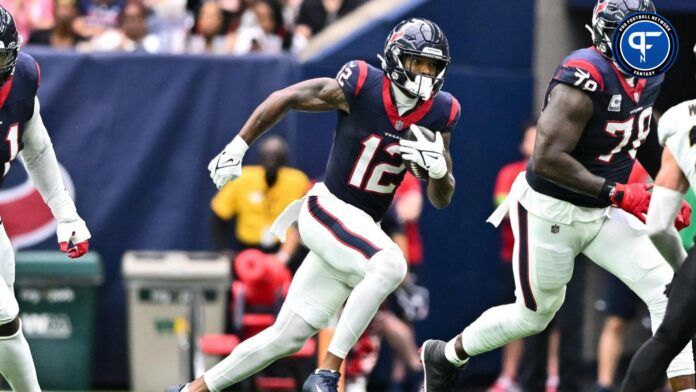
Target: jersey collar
5	91
632	91
401	123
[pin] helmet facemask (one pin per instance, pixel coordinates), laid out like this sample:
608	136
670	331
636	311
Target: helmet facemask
8	60
412	83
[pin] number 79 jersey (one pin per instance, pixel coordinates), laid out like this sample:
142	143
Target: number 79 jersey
365	168
619	125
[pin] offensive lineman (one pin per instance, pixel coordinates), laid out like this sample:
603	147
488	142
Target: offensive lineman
574	198
677	133
22	131
350	256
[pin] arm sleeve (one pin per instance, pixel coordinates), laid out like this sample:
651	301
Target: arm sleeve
42	165
351	78
665	204
650	153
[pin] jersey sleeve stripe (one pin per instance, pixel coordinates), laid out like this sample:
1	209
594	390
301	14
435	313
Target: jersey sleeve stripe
454	110
38	75
589	67
362	75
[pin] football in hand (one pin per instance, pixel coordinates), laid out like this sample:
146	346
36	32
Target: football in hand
413	167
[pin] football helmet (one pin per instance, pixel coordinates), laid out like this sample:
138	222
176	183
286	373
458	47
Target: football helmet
606	17
420	38
10	42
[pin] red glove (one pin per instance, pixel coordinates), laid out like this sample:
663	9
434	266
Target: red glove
632	198
684	217
76	250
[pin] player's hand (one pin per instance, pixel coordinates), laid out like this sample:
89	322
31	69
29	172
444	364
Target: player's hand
684	217
73	237
632	198
426	154
227	165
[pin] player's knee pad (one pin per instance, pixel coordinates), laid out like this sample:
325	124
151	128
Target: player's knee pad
9	310
531	322
390	266
554	269
289	336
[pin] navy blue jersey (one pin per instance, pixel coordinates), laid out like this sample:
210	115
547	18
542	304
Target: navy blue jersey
620	121
16	108
365	168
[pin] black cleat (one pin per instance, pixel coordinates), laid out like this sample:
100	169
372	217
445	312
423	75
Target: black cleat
322	381
438	373
174	388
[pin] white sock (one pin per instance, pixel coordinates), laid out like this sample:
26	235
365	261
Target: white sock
16	363
451	354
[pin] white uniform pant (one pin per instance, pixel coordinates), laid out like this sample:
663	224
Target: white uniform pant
342	240
549	234
8	304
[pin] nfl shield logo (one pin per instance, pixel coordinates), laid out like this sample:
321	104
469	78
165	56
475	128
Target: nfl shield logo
555	229
399	125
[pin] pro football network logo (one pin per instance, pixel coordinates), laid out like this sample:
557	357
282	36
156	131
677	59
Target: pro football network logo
645	44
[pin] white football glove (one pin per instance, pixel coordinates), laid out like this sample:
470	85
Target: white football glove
73	233
426	154
227	166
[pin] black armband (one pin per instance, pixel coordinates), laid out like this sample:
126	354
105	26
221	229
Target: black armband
607	191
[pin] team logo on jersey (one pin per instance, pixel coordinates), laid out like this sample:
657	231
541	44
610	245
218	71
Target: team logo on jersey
555	229
645	44
27	219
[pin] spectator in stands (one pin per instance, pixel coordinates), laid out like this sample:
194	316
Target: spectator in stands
255	200
131	36
266	33
209	37
61	35
97	16
30	15
171	22
315	15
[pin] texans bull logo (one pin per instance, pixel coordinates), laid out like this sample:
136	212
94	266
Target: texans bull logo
27	219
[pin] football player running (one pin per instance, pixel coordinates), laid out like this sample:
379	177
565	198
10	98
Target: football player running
24	134
573	198
677	133
351	259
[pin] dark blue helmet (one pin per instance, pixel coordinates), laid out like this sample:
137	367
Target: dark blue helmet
9	45
420	38
606	17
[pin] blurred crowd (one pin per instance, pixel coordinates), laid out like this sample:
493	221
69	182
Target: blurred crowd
176	26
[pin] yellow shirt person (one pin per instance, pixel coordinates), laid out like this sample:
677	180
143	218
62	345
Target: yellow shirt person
254	205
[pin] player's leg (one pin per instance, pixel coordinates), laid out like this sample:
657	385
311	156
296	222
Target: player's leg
347	239
316	293
16	363
543	258
620	301
623	248
649	364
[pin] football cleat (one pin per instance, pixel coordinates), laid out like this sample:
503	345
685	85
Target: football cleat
322	381
174	388
438	373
